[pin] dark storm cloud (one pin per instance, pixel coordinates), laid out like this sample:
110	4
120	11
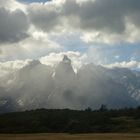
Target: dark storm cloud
13	25
45	18
101	15
30	1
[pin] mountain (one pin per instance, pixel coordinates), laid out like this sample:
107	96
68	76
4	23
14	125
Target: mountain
30	85
64	73
65	82
41	86
128	78
101	88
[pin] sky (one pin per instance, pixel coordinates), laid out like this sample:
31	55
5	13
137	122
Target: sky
105	32
35	35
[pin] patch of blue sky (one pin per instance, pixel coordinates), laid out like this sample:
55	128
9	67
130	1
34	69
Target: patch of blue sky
71	43
119	53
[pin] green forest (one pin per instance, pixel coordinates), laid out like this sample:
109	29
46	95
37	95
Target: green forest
72	121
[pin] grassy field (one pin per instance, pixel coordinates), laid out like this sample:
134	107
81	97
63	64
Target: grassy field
70	137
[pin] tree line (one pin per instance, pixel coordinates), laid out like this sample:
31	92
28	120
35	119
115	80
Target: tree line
103	120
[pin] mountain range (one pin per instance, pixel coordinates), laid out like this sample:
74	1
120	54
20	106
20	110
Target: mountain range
40	86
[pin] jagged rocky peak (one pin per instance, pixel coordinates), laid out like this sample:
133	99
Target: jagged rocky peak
65	66
64	69
66	59
34	62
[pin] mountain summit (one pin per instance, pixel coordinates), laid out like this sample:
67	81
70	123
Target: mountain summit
64	69
66	59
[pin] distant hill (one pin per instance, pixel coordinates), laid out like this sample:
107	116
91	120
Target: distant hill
71	121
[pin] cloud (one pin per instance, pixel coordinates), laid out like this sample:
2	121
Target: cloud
13	26
8	70
36	45
65	25
130	65
107	21
108	54
45	17
12	5
32	1
18	37
54	58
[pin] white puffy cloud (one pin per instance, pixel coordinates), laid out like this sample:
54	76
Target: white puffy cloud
8	70
36	45
11	66
12	5
130	65
54	58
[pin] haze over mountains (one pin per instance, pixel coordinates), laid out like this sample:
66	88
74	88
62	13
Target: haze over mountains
40	86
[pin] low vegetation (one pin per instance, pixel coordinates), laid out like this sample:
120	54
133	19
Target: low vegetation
72	121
